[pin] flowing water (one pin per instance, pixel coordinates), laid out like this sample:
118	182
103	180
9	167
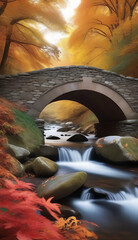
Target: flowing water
109	197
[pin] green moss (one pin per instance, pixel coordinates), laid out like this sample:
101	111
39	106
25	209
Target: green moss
31	136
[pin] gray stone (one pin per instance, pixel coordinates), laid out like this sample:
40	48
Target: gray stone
61	186
20	87
18	152
49	152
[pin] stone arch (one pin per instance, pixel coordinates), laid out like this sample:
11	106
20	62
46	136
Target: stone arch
106	103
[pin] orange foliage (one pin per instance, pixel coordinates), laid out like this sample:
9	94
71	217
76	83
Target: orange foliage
24	24
75	229
7	126
7	121
6	163
105	35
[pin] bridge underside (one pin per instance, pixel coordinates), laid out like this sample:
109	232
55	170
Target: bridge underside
106	103
103	107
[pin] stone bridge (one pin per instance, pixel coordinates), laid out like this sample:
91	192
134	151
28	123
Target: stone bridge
110	96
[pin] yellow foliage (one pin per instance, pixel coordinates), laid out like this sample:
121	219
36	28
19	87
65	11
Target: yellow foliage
22	25
105	30
73	111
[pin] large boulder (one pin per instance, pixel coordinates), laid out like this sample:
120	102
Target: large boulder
18	152
77	138
61	186
118	149
44	167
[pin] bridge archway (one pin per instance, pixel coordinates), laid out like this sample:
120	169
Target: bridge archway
106	103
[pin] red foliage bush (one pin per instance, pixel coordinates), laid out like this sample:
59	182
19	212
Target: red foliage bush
18	214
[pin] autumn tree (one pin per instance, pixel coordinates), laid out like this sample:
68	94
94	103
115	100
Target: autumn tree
23	23
105	35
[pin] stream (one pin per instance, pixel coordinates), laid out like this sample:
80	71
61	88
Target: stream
109	197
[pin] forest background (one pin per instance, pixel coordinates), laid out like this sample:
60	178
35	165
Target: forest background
36	34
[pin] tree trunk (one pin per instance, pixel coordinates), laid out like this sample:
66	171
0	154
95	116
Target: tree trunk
3	8
6	49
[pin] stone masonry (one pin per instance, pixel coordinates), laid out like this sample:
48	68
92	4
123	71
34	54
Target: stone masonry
26	88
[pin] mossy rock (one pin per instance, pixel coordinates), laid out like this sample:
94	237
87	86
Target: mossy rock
61	186
30	137
44	167
118	149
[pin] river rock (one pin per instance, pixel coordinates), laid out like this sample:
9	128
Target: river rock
77	138
49	152
44	167
118	149
53	137
61	186
67	211
63	129
18	152
28	166
16	168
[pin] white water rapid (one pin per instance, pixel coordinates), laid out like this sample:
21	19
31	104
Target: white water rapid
122	195
82	161
73	155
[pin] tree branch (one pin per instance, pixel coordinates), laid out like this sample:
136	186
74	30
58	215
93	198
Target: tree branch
131	8
101	32
2	8
6	49
22	43
100	22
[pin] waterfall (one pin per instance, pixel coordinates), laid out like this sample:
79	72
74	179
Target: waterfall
73	155
120	196
86	194
136	192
